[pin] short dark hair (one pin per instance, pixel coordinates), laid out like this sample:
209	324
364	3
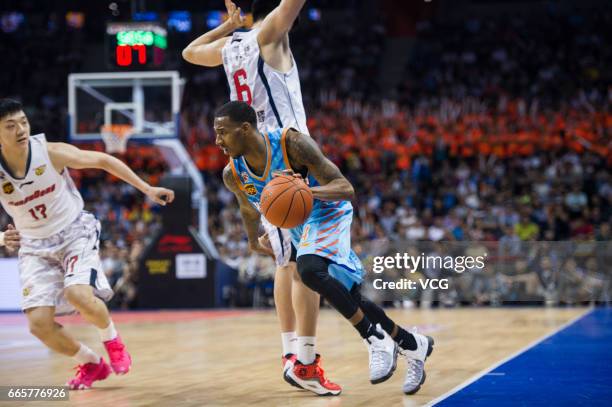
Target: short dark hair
238	112
261	8
9	106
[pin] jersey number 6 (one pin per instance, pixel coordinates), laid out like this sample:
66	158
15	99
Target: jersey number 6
242	89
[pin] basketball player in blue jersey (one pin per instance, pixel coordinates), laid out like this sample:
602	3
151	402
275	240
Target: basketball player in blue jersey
261	71
324	257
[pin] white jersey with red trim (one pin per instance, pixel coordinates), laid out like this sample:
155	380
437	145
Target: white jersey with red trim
44	202
275	96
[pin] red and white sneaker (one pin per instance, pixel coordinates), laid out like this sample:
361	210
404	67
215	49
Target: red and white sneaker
312	377
89	373
288	361
120	359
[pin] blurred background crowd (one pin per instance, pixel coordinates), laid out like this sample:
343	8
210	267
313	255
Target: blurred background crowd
453	125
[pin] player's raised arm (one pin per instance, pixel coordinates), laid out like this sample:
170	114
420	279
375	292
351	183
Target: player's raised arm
278	23
64	155
250	216
206	49
304	152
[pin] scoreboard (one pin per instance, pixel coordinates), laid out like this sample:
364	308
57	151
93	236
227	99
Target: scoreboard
136	45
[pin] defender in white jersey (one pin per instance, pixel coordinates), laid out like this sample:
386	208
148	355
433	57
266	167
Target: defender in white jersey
59	264
262	72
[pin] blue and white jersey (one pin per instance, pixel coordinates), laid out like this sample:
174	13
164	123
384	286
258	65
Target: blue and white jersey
326	232
276	96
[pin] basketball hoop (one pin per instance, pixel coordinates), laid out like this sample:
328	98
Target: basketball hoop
116	136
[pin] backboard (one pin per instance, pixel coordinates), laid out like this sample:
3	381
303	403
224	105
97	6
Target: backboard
147	101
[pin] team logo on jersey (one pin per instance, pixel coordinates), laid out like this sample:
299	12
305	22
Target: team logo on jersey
40	170
8	188
26	291
245	177
250	189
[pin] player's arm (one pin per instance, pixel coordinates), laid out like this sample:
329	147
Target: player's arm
278	23
250	216
304	152
206	49
64	155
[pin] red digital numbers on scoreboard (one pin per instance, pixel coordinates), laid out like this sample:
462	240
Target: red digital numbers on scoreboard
125	53
136	45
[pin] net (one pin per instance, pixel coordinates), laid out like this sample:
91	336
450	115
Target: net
116	136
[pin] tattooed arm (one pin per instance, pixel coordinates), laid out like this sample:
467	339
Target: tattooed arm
304	153
250	215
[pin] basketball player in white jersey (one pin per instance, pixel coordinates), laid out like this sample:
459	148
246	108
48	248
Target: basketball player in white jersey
261	71
59	265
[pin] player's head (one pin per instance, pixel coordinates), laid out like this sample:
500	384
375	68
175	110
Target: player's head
14	125
261	8
234	122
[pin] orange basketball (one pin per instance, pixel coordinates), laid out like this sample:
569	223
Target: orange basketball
286	201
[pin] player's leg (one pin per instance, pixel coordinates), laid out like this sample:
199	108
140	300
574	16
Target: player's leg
304	310
364	315
286	318
275	239
91	308
284	308
313	270
85	285
41	279
41	321
306	305
309	376
92	367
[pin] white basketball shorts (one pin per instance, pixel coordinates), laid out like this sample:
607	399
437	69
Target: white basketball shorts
69	257
280	240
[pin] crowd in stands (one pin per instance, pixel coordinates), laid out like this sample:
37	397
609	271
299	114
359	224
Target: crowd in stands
497	132
501	133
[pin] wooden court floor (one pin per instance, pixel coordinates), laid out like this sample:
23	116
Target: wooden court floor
233	358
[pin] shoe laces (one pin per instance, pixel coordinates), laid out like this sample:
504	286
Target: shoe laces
413	371
320	372
116	349
83	370
378	352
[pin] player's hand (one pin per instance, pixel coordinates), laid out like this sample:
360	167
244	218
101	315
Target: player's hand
290	173
264	241
257	247
12	239
236	19
161	196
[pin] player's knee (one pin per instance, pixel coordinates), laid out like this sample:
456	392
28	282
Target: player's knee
41	326
80	296
312	270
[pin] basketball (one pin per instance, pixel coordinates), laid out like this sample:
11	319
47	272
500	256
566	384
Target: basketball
286	201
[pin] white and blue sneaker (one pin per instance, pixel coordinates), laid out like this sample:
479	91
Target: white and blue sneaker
382	356
415	374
